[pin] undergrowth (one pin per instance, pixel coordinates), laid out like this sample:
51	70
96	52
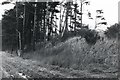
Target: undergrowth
77	54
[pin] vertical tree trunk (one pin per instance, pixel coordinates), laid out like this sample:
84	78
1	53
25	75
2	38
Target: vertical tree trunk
19	34
24	25
81	14
60	21
75	17
34	27
66	19
44	26
70	18
50	27
62	27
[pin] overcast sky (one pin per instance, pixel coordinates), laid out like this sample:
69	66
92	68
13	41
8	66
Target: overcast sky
110	8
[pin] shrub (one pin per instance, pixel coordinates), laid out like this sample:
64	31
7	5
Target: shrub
67	35
113	31
91	36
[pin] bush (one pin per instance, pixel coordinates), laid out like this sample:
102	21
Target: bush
67	35
113	31
91	36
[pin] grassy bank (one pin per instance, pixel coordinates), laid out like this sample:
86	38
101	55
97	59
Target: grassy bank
77	54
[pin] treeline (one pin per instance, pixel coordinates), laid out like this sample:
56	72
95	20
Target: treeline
29	23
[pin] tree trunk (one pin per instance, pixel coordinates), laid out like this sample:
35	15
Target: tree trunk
24	25
81	14
75	17
60	21
44	26
19	34
66	19
34	28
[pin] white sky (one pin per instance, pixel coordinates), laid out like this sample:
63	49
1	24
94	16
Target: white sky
110	8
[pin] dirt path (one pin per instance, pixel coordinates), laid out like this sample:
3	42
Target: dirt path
16	67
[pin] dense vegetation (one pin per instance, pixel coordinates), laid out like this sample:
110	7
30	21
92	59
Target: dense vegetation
113	31
31	26
29	23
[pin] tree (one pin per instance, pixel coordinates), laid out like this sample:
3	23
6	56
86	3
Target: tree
52	10
36	21
101	17
9	30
